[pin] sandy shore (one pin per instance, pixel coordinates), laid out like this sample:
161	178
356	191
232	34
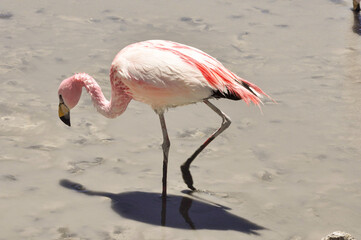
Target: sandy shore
291	172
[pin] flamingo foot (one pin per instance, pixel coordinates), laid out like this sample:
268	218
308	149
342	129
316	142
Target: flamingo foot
187	177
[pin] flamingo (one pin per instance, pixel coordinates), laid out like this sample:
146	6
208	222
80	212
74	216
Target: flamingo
163	74
356	5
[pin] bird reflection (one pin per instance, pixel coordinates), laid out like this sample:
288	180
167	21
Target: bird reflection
174	211
356	28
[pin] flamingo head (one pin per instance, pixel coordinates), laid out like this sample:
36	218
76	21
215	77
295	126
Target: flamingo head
356	5
69	94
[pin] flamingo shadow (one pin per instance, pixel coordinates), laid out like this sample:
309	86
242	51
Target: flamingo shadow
175	211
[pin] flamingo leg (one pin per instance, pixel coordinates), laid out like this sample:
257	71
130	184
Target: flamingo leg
226	121
165	146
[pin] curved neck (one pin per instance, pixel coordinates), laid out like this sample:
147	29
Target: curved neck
109	109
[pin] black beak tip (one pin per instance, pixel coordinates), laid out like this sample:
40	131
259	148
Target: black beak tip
65	120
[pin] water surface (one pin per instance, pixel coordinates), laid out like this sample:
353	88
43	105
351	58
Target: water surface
291	172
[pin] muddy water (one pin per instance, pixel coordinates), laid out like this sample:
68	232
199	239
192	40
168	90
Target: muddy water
290	172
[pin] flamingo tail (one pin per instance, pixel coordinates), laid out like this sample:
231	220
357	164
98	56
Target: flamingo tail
242	89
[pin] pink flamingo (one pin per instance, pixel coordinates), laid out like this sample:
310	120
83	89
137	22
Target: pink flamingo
162	74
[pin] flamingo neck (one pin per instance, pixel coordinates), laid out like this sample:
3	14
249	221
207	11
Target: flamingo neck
109	109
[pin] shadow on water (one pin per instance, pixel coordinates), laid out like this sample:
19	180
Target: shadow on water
356	27
176	211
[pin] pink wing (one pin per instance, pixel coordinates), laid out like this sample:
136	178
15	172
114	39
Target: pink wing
219	77
163	74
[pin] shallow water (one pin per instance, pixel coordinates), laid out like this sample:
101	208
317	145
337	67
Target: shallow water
289	173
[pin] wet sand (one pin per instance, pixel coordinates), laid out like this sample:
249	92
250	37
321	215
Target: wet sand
291	172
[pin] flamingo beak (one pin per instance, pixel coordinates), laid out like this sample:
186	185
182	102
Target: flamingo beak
64	112
356	6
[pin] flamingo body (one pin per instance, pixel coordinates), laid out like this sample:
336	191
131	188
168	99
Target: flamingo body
166	74
162	74
159	77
